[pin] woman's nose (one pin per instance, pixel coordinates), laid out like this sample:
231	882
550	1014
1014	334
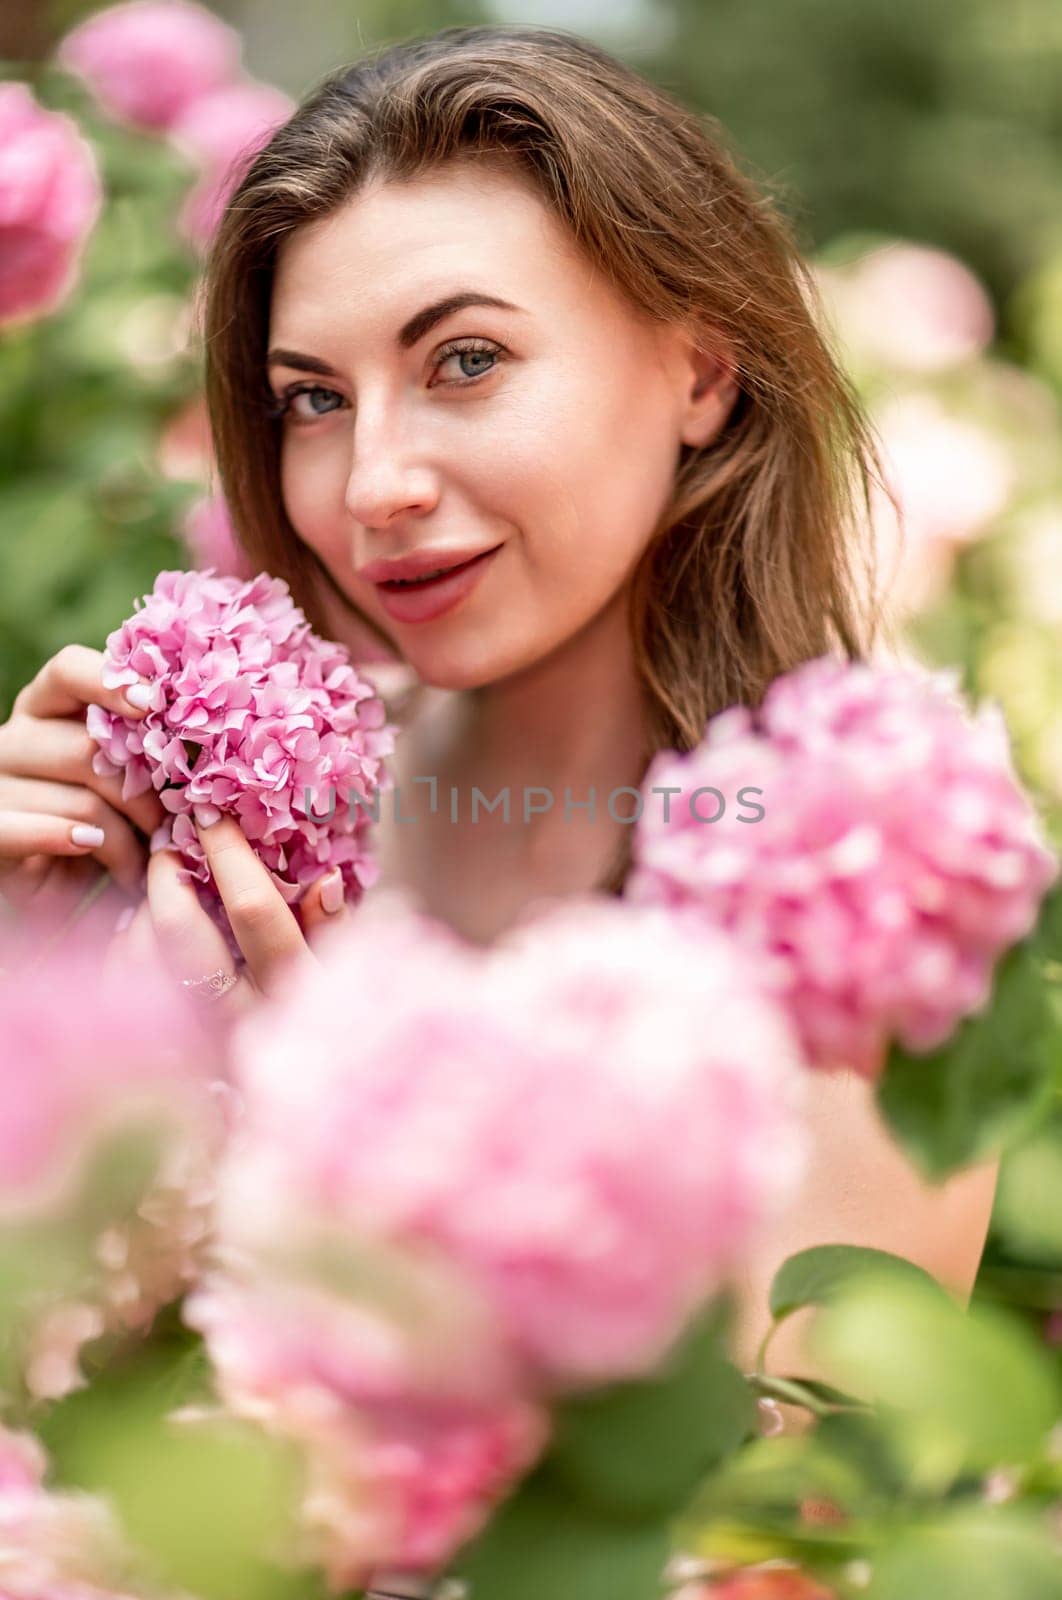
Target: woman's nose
388	475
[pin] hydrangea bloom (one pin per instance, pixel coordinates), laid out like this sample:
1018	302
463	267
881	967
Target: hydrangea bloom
53	1546
220	132
255	716
207	530
147	61
898	856
50	199
410	1431
112	1115
910	307
521	1167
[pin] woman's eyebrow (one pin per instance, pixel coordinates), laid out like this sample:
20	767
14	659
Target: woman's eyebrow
409	334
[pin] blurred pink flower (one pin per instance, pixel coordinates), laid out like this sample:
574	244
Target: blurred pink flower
220	133
185	448
54	1545
406	1447
254	716
911	307
94	1064
211	540
50	200
898	856
147	61
598	1186
516	1170
952	478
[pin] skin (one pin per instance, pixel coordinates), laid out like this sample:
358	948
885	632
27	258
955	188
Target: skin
562	449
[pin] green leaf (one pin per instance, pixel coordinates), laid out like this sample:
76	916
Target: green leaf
767	1480
542	1543
812	1277
1028	1203
859	1439
974	1554
639	1449
968	1390
1046	937
987	1085
210	1504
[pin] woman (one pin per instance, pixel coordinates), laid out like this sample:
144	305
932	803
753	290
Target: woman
492	300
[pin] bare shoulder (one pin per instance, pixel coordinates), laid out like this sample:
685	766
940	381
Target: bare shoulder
862	1189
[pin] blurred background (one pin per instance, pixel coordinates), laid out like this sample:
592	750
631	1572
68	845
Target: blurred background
917	150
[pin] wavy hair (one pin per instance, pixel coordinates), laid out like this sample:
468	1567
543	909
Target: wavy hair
762	557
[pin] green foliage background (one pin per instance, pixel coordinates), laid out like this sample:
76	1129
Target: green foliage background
937	123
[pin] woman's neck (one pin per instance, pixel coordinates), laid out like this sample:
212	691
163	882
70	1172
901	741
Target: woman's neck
573	722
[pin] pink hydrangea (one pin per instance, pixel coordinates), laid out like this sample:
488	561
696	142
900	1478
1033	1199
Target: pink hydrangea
220	133
521	1168
896	859
147	61
908	306
94	1062
951	477
254	716
207	530
409	1433
54	1545
50	200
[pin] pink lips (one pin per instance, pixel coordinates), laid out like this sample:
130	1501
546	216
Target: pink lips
435	596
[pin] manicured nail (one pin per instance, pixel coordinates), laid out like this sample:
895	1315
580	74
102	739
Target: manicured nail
140	695
206	815
84	833
332	893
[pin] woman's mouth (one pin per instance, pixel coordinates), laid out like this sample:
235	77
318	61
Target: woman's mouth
423	599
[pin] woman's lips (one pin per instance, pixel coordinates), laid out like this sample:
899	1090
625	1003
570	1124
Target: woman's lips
423	602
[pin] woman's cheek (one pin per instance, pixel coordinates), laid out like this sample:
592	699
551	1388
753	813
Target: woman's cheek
312	489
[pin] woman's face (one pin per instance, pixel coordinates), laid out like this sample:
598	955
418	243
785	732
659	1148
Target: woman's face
547	430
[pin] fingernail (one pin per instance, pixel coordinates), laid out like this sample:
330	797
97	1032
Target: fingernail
84	833
332	893
124	919
140	695
206	815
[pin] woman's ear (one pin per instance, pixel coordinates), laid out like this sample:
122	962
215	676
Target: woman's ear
709	390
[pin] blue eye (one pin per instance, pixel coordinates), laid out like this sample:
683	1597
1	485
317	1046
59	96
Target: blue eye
473	350
476	352
283	404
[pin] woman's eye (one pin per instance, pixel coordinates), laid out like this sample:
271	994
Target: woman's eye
473	360
309	393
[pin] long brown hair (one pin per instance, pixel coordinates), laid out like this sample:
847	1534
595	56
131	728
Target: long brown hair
762	558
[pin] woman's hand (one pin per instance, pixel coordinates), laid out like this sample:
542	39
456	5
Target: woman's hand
54	810
270	936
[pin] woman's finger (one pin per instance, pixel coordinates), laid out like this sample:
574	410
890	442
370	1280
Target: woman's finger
265	927
87	821
22	876
27	833
323	905
189	941
48	887
73	679
61	751
134	941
